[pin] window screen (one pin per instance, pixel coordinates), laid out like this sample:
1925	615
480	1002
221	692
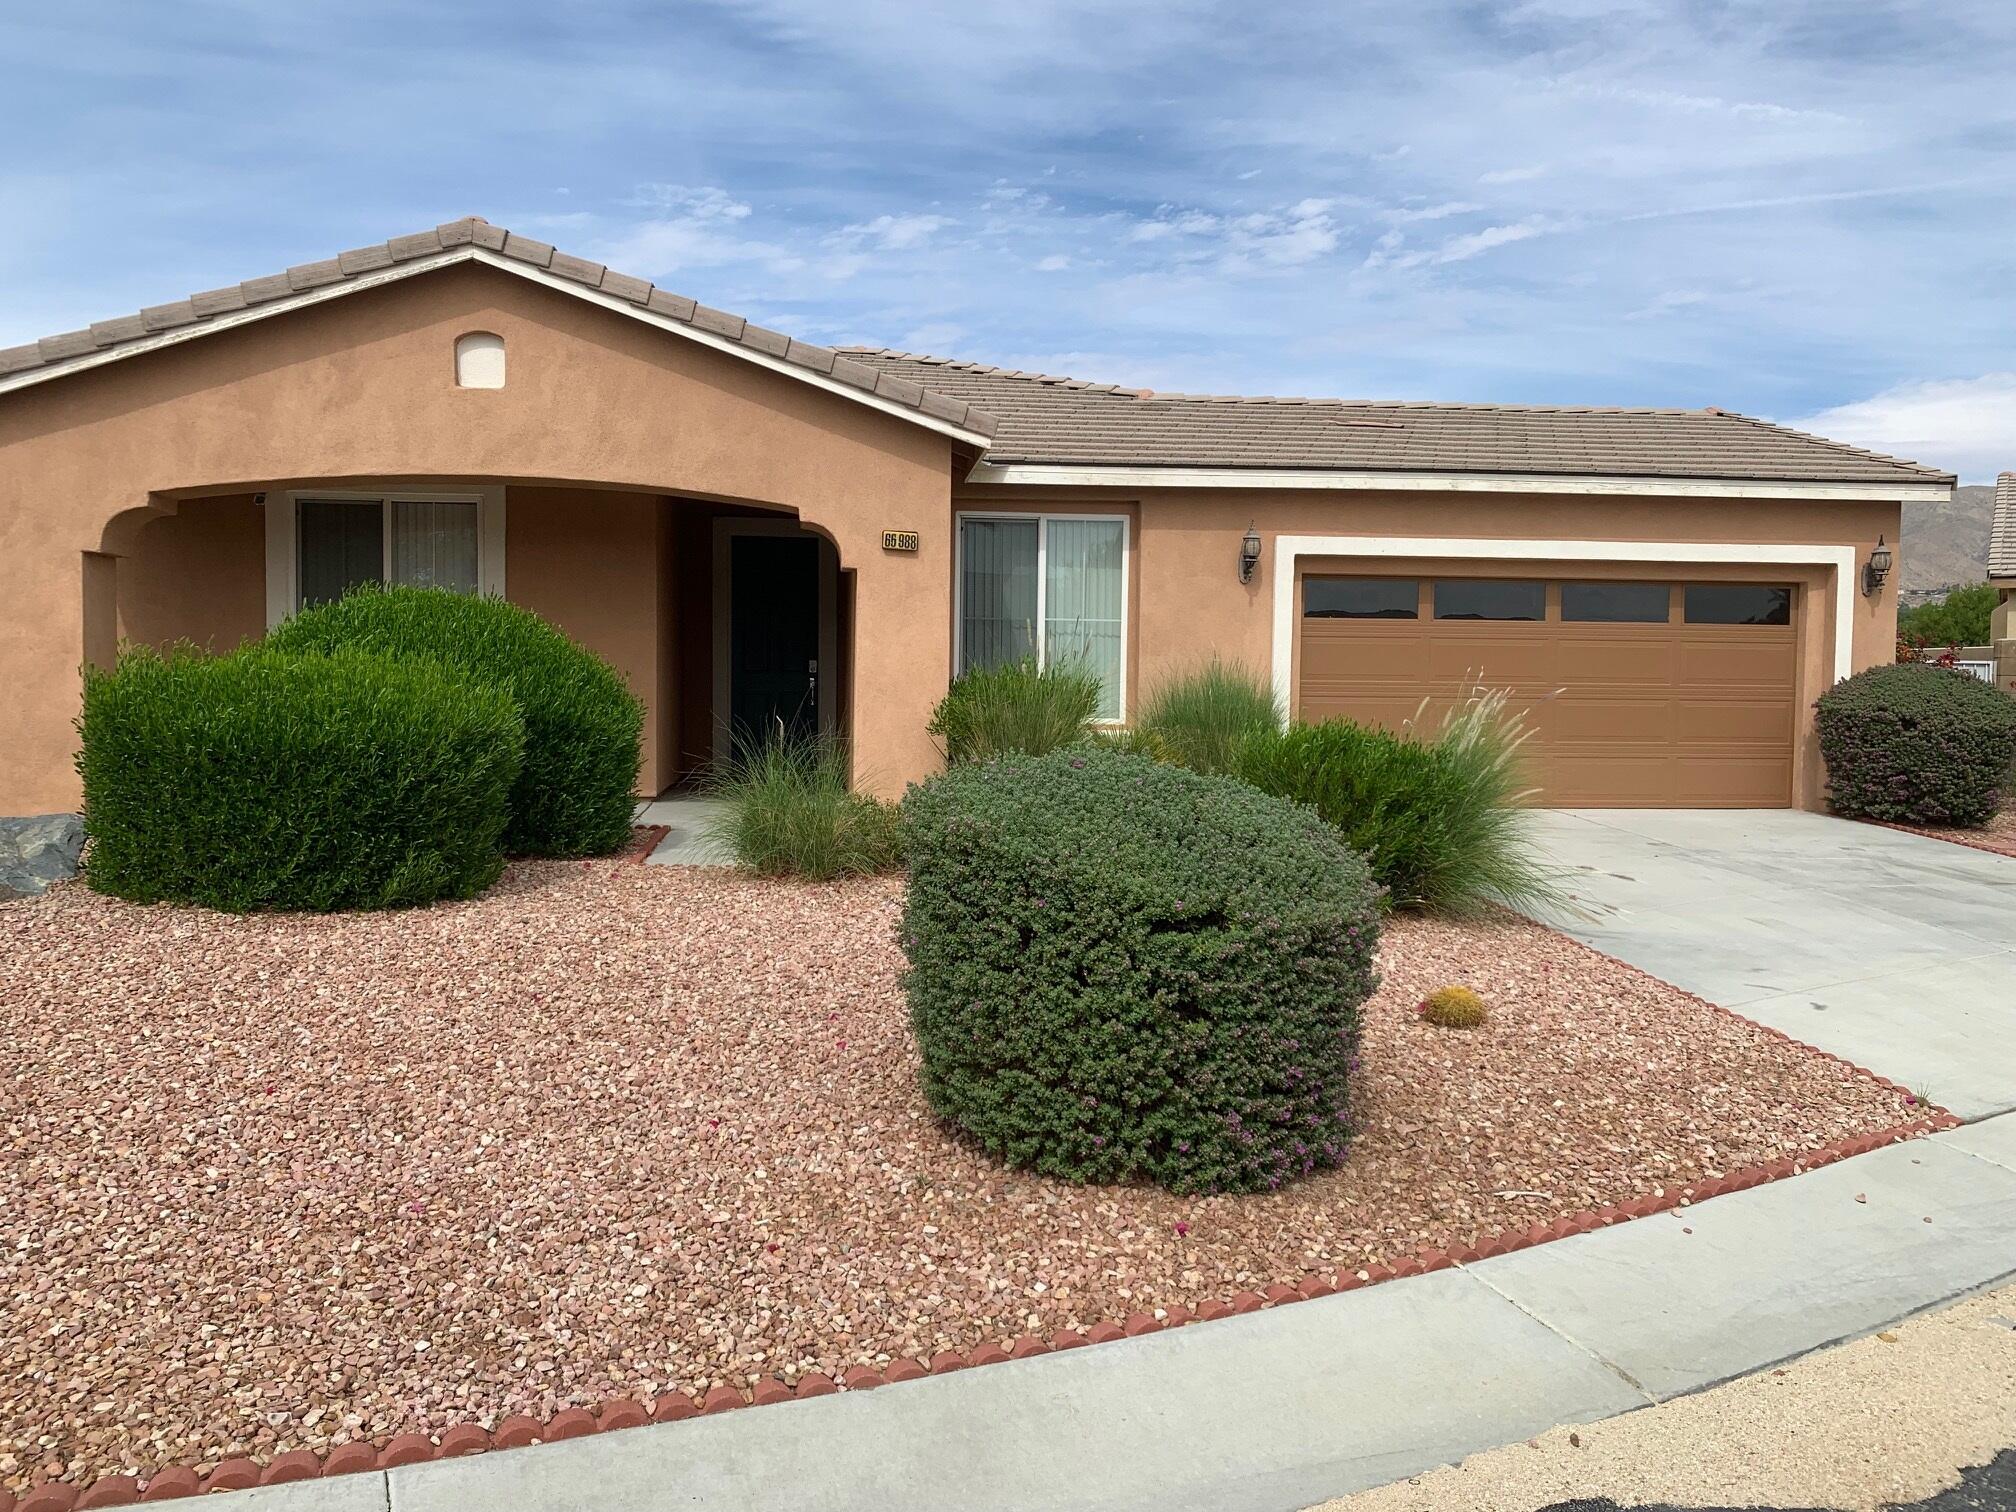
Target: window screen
342	544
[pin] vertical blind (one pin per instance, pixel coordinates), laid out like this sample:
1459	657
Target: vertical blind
997	591
1048	588
434	545
1081	601
422	543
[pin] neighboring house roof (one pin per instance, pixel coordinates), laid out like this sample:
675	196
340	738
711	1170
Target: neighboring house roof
1065	421
1027	419
475	239
2002	536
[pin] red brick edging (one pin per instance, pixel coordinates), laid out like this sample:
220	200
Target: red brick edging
517	1432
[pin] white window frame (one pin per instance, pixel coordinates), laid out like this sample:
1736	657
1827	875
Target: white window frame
283	534
1043	517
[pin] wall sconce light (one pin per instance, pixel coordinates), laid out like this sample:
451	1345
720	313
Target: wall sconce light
1877	568
1249	555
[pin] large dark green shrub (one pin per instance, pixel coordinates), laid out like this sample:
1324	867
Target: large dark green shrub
1017	706
264	780
787	810
1199	718
1438	819
1915	743
575	794
1120	969
1961	618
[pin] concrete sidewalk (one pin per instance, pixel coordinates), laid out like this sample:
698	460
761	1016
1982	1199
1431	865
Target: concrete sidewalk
1894	951
1281	1409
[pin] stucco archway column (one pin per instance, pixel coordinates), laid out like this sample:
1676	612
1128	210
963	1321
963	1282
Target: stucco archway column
901	656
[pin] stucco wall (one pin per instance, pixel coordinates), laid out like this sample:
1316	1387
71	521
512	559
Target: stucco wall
361	389
1186	602
198	574
593	562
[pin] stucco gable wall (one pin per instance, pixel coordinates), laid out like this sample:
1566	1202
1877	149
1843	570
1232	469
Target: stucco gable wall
362	389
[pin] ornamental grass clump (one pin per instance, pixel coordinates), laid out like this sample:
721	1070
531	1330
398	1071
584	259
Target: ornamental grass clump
1199	719
1016	706
1120	970
260	780
583	727
1915	743
787	811
1438	818
1453	1008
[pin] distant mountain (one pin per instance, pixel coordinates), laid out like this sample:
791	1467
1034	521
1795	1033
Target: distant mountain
1945	544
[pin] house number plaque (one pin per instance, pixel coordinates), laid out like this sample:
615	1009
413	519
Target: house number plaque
899	540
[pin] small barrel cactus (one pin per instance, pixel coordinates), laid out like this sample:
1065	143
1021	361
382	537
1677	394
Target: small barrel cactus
1453	1008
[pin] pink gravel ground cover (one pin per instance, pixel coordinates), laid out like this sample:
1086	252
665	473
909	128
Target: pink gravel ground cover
1997	835
284	1182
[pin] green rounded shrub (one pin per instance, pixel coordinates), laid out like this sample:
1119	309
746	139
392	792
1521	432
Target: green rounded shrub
1916	743
261	780
1120	969
583	727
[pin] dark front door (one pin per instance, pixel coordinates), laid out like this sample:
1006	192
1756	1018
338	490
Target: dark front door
773	637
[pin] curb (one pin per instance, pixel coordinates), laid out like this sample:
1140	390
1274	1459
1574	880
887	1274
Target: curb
517	1432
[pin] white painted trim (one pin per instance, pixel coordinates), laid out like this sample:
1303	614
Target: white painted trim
1290	550
726	528
283	557
490	259
1042	517
1044	475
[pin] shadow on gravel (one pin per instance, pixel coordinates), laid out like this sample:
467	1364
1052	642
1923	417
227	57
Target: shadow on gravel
1983	1488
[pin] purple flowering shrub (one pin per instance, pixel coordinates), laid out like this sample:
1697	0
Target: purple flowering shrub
1121	970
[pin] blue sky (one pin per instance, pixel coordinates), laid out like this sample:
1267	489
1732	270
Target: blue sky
1797	209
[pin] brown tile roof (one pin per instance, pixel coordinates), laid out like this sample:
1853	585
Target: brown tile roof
1066	421
444	243
1033	418
2002	537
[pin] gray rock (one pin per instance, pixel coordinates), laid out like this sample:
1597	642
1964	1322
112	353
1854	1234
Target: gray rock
38	850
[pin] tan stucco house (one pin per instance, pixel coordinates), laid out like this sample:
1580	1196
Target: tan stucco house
2002	560
755	529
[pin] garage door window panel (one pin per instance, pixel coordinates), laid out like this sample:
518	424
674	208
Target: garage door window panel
1489	599
1738	604
1617	603
1361	598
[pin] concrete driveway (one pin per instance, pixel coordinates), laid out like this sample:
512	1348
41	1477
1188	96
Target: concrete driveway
1891	950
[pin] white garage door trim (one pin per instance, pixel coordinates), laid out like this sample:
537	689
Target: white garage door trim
1289	550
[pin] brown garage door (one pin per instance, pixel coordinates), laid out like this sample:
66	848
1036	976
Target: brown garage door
1660	694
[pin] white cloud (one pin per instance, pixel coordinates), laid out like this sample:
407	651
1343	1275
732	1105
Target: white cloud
1512	175
893	233
1457	249
1056	262
1965	425
1666	302
703	203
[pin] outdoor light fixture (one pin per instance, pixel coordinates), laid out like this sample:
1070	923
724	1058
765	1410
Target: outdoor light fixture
1249	555
1878	568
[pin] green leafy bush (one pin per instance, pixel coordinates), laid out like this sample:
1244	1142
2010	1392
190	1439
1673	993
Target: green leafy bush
262	780
1961	618
1199	718
1120	969
583	727
1915	743
1017	706
788	812
1438	820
